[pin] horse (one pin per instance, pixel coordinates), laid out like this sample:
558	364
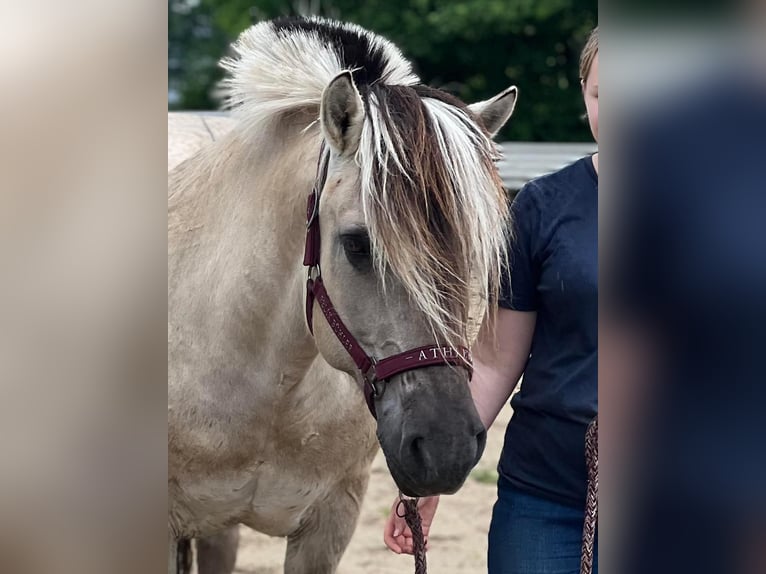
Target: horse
403	242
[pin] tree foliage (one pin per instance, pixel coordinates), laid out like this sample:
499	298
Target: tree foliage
472	48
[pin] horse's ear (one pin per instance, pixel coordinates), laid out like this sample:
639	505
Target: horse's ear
495	111
342	114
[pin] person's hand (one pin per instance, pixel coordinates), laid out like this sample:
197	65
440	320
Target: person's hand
398	536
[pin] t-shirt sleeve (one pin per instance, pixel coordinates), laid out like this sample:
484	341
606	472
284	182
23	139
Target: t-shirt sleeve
519	284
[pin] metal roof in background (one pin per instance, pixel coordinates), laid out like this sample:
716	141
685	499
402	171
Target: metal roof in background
521	161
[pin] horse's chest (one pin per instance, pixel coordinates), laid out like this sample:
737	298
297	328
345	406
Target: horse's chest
265	497
265	463
285	476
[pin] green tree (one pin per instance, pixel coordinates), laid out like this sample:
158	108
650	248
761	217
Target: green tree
472	48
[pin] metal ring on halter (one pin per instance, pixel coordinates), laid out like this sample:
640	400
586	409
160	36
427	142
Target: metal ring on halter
312	268
371	379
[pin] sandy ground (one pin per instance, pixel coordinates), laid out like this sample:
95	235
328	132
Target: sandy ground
458	540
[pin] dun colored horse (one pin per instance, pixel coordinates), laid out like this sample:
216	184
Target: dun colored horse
266	423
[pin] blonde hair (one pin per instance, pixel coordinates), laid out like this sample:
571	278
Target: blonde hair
588	53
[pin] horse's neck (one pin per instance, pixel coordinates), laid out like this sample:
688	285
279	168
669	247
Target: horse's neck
237	229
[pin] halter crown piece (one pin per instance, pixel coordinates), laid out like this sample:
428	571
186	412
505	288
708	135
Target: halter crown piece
372	370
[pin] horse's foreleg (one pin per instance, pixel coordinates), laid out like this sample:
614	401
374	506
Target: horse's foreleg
217	554
179	555
326	530
185	557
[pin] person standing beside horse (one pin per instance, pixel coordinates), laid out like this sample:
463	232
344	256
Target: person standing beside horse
546	330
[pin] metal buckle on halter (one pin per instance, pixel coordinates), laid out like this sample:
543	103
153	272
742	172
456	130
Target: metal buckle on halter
370	379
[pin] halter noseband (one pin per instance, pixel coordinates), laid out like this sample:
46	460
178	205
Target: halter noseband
371	370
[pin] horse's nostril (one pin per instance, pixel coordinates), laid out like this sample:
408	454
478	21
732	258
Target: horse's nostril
416	448
418	451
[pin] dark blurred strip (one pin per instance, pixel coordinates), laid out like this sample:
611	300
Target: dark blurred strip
682	379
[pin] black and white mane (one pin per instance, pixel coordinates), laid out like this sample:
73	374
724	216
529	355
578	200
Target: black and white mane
432	198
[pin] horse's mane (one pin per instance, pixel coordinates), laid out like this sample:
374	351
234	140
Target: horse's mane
285	64
433	202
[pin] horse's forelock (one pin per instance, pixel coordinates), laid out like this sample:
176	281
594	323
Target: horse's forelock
433	201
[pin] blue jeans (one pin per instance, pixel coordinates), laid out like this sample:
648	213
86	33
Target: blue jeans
532	535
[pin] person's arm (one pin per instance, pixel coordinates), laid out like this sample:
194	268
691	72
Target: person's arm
499	359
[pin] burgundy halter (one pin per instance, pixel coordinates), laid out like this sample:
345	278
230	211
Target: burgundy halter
372	370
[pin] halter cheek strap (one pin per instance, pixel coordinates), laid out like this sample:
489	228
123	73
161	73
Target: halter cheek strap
370	370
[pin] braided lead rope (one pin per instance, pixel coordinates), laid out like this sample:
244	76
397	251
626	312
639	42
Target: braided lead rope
591	503
412	518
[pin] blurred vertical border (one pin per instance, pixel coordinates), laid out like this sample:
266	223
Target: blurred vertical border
83	286
682	389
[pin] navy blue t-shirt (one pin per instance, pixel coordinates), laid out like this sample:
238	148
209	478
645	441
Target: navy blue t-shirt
554	271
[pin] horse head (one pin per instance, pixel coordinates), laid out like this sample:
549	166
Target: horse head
413	223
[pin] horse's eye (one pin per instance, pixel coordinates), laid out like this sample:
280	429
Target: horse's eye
357	248
356	245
